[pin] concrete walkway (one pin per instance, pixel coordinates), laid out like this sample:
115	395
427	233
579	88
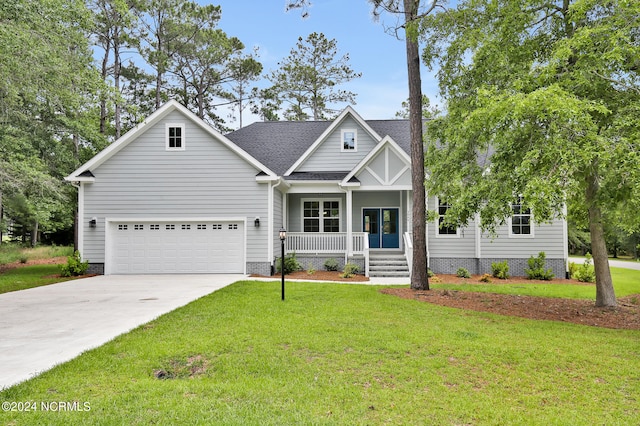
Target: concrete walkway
49	325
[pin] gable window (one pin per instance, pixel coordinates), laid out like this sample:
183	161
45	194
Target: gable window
321	215
349	140
443	229
175	140
521	223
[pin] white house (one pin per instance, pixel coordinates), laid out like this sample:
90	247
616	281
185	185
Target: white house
175	196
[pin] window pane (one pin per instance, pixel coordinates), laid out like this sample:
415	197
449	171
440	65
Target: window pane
331	225
311	225
349	141
444	230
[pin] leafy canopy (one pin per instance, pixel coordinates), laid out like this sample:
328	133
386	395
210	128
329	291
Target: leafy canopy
542	96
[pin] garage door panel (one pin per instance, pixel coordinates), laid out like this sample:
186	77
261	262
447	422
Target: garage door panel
177	247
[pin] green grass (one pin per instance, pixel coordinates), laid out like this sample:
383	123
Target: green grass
26	277
10	253
625	282
343	354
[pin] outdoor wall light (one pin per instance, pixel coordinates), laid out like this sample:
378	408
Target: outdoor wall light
93	222
256	222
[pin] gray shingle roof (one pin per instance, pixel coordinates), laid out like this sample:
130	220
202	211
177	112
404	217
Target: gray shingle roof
279	144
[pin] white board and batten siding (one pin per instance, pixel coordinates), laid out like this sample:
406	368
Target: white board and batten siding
206	181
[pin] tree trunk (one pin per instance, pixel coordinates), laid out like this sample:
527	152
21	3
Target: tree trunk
419	277
605	294
34	234
116	80
103	100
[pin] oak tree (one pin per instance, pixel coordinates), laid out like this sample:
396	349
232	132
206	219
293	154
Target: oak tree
543	103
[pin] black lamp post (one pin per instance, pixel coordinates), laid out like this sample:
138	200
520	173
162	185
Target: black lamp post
283	236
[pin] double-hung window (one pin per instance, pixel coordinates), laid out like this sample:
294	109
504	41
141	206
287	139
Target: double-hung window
321	215
521	220
174	137
443	229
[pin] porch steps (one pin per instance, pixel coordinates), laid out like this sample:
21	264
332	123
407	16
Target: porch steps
388	264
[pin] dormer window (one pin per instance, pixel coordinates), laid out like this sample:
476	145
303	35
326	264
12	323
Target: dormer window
349	140
175	137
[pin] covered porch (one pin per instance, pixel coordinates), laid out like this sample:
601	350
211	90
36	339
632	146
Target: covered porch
347	225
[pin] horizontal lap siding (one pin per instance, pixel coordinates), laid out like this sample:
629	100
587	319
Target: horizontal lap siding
329	156
548	238
452	246
295	209
205	180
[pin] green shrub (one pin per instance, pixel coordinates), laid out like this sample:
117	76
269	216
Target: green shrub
500	269
23	259
74	266
430	273
331	264
536	269
585	273
573	267
349	270
291	264
463	273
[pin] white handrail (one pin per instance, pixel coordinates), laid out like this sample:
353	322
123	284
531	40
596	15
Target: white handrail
326	242
408	249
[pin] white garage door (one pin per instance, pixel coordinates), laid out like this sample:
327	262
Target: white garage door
202	247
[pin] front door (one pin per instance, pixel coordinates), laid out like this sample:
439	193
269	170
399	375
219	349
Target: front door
382	226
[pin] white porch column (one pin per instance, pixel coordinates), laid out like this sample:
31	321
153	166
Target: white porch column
349	222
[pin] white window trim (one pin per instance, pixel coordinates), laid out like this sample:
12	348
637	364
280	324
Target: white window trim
437	223
166	136
320	218
520	236
355	140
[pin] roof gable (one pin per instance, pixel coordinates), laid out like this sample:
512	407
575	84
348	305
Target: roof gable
334	127
387	164
152	120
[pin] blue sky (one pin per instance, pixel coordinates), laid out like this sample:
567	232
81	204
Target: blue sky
380	57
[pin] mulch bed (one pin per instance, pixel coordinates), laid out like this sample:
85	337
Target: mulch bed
579	311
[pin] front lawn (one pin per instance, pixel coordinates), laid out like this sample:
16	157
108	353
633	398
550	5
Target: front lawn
26	277
342	354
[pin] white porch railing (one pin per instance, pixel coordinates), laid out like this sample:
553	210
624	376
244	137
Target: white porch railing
330	242
408	249
326	242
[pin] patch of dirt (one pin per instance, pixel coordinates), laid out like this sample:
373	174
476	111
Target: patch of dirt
48	261
579	311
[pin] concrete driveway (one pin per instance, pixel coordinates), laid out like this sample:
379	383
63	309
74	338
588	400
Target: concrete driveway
48	325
